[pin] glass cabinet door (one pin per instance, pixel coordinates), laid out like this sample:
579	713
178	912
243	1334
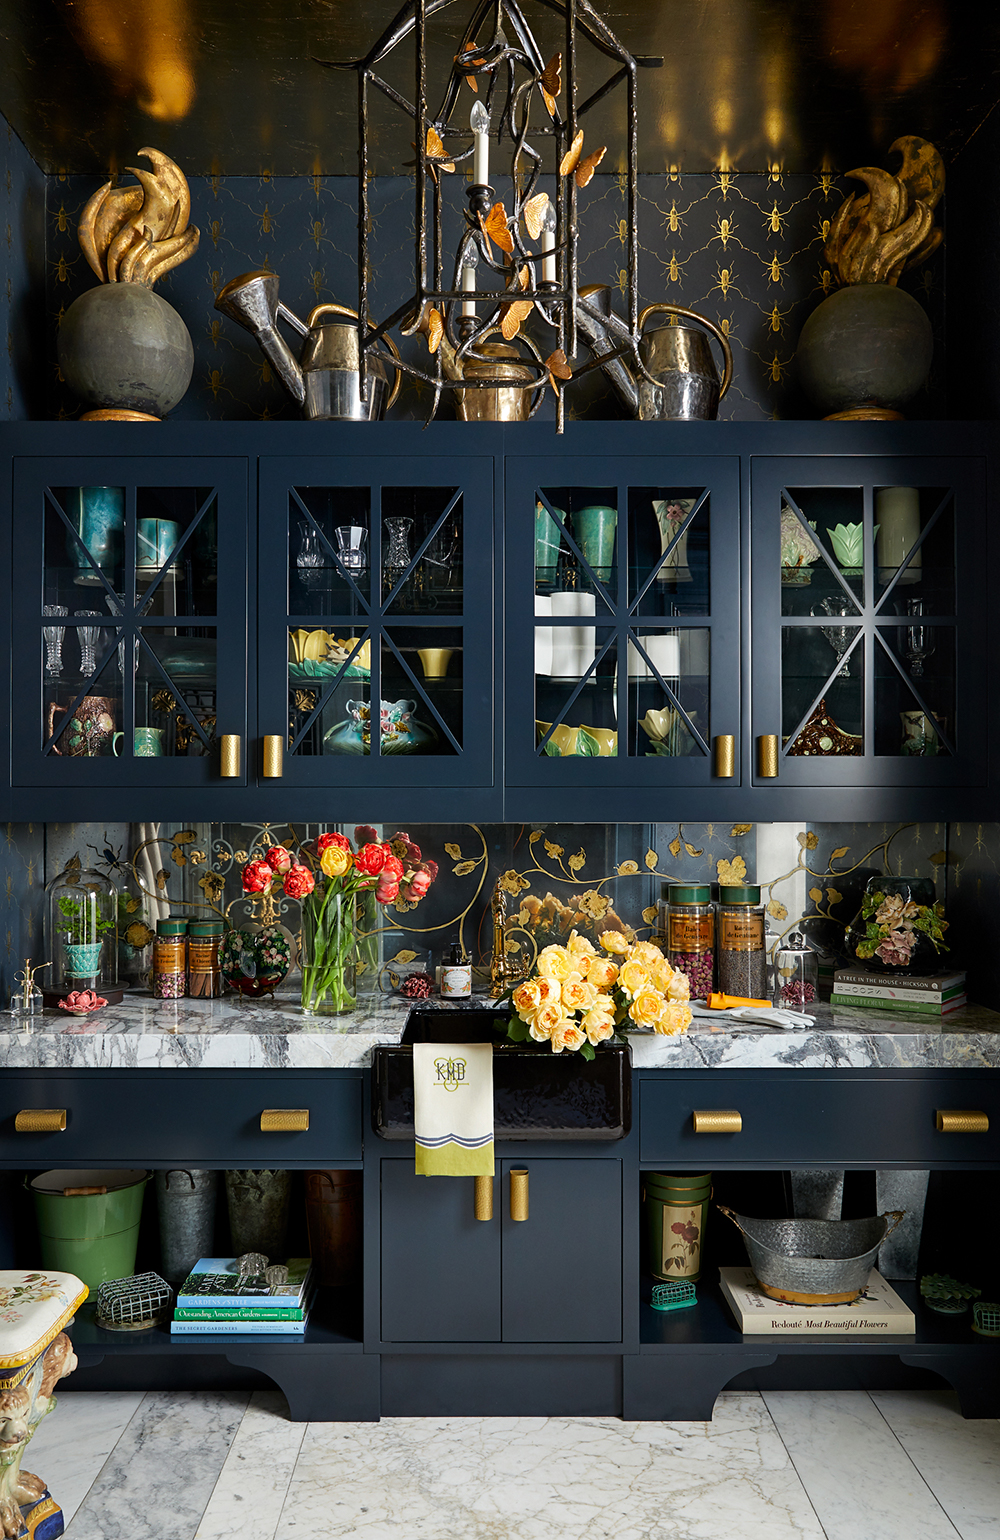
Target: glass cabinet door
867	620
376	634
130	620
622	620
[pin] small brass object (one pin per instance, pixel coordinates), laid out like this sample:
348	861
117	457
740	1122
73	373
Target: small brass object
229	755
41	1120
767	756
519	1195
961	1122
725	756
506	968
484	1197
729	1122
284	1120
273	768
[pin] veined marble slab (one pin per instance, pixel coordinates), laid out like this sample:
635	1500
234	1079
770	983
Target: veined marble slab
143	1033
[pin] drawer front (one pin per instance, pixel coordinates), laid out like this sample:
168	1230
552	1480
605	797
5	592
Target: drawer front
790	1119
132	1118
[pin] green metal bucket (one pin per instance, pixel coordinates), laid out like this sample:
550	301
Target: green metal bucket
93	1235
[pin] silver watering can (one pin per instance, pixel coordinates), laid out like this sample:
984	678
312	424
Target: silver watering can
326	379
679	358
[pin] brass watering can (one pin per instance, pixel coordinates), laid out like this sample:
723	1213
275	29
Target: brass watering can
326	379
687	386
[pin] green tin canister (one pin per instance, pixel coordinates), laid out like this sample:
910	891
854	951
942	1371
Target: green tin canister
91	1234
676	1210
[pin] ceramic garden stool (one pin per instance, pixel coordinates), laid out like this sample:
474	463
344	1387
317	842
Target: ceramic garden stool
35	1352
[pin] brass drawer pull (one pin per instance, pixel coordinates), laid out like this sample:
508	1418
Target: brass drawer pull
284	1120
725	756
717	1122
41	1120
229	756
484	1197
519	1196
273	768
767	756
962	1122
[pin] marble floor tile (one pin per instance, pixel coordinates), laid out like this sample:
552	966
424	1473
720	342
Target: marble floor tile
158	1481
72	1443
549	1479
859	1478
250	1491
958	1459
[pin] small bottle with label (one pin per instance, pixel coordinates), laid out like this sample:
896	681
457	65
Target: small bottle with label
456	975
170	959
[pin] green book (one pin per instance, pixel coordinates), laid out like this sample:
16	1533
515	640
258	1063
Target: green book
917	1007
249	1313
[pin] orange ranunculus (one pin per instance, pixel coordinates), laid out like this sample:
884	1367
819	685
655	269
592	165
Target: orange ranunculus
675	1018
554	962
335	861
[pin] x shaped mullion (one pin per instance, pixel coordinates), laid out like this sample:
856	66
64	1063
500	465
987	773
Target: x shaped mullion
336	559
575	695
423	696
82	694
599	584
682	530
914	690
178	548
668	692
838	665
327	694
934	518
404	577
817	540
178	697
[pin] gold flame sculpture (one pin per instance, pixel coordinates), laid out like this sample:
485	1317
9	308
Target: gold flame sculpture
136	234
875	235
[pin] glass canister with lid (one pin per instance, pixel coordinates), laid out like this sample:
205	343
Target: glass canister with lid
742	958
796	971
204	974
170	959
687	924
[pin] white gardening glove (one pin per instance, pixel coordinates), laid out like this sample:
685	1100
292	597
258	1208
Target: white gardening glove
754	1015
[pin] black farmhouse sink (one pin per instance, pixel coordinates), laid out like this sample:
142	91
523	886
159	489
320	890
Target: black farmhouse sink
537	1094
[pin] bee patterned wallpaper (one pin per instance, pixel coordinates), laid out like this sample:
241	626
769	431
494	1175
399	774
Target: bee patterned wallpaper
23	386
745	249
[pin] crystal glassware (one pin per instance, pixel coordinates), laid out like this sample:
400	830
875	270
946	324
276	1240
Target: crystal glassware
87	637
839	637
397	555
352	547
53	636
313	562
919	640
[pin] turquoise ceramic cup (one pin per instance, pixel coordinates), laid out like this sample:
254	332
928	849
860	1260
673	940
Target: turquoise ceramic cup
147	742
548	542
595	534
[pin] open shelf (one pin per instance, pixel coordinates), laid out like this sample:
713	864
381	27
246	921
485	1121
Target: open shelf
334	1325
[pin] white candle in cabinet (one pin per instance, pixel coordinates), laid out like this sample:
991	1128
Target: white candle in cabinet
897	514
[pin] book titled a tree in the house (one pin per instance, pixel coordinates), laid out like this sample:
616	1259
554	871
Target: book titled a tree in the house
214	1297
877	1312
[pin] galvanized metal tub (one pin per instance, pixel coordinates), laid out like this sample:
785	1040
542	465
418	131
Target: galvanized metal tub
813	1261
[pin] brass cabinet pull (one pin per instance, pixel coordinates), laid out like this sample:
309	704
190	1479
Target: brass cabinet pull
729	1122
229	755
41	1120
519	1195
273	768
284	1120
955	1122
484	1197
725	756
767	756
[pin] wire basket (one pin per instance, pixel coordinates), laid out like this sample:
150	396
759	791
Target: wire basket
673	1296
986	1318
133	1304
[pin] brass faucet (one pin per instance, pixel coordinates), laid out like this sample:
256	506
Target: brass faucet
506	968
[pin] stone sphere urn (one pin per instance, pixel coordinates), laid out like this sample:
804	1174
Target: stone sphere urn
866	350
122	349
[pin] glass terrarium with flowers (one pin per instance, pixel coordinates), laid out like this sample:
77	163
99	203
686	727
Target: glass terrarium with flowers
579	994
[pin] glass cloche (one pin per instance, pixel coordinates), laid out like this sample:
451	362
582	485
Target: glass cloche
81	930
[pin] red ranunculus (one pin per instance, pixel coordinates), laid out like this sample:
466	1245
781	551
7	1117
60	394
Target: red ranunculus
323	840
299	881
278	858
364	834
393	868
371	859
431	868
257	877
387	889
403	847
417	887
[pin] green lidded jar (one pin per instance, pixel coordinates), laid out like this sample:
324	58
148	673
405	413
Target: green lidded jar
204	972
170	958
741	955
676	1212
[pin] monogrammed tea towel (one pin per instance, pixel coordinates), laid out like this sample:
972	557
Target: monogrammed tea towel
453	1108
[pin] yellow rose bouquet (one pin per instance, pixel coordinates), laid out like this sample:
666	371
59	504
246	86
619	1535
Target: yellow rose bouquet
577	997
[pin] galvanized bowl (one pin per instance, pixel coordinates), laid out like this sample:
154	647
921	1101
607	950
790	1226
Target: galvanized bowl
813	1261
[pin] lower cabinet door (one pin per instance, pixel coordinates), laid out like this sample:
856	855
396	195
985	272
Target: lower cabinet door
562	1265
440	1264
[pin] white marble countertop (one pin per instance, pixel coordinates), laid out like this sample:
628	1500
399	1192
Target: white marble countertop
142	1033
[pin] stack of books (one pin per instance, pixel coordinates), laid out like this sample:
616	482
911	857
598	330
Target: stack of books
932	994
214	1298
877	1312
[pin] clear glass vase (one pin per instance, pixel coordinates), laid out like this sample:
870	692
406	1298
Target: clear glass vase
329	952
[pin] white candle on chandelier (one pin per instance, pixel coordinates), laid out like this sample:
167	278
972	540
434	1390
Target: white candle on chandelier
548	239
468	283
479	122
